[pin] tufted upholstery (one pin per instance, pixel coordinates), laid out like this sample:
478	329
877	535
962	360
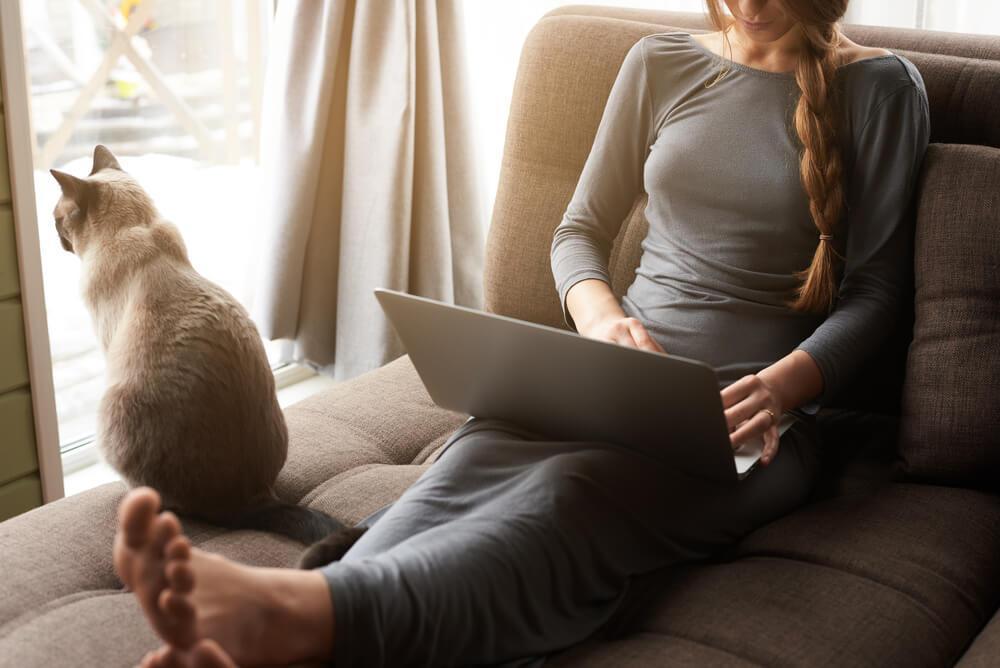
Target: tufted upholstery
875	571
951	422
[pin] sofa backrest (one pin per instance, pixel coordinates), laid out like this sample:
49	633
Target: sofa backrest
950	426
568	64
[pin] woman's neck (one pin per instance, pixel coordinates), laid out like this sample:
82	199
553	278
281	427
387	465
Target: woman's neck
779	55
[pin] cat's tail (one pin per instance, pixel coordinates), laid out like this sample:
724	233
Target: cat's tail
331	548
306	525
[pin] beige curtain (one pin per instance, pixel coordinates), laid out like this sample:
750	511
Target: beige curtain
369	175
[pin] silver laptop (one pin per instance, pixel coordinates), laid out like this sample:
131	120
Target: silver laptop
568	387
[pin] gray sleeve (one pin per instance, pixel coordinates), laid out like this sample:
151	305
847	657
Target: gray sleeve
879	240
609	183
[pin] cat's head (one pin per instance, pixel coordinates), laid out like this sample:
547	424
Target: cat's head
93	209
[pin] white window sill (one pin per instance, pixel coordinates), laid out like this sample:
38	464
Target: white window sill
85	469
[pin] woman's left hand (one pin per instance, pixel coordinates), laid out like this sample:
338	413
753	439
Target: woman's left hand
744	402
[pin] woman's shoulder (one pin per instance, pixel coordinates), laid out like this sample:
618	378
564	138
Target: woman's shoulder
872	83
671	58
665	44
872	79
884	73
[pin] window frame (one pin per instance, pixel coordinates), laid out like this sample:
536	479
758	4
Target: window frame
36	329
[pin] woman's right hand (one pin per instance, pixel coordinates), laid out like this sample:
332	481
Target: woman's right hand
624	331
598	315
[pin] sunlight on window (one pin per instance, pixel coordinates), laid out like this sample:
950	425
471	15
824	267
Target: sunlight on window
174	90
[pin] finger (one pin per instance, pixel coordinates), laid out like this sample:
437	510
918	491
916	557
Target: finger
739	389
642	337
749	429
739	442
623	337
772	442
737	445
747	408
648	343
741	412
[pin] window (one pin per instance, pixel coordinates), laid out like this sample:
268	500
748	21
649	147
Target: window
174	89
971	16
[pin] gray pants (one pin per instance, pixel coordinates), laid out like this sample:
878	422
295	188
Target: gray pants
510	547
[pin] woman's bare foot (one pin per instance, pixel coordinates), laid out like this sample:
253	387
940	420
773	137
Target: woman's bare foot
204	654
255	615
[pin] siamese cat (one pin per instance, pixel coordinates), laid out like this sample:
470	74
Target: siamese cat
190	406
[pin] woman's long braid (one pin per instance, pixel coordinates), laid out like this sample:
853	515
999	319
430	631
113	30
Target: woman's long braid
821	165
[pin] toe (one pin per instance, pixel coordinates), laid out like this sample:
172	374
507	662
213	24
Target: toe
180	577
155	658
165	528
136	513
180	615
178	548
208	654
177	606
170	657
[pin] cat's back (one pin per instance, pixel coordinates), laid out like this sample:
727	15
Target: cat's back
189	333
195	321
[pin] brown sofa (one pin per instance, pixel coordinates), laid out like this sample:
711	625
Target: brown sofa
895	562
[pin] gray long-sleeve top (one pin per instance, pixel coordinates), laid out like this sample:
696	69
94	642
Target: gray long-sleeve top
728	216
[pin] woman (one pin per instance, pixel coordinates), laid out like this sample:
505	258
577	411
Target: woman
763	146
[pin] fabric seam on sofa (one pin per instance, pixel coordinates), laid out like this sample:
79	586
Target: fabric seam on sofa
930	613
28	617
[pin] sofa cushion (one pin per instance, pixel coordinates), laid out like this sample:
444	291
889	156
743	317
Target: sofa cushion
935	546
97	628
384	416
950	424
74	535
647	649
903	576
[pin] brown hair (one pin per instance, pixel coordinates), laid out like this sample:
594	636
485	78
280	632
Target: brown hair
817	121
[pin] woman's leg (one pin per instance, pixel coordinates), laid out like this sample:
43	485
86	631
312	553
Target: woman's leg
525	547
409	514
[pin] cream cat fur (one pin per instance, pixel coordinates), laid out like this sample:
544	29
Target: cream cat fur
190	406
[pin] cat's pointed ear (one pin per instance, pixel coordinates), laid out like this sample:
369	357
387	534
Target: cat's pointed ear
73	187
104	159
